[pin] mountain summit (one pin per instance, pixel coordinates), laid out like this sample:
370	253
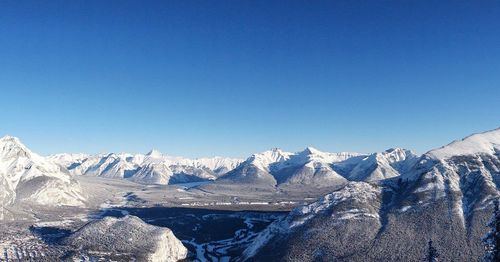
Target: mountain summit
28	177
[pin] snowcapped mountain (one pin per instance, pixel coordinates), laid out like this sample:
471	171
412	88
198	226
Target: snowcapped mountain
311	167
152	168
315	168
109	165
390	163
257	168
66	159
271	168
28	177
466	171
444	195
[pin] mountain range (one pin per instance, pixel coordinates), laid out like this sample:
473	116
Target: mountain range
151	168
383	206
271	168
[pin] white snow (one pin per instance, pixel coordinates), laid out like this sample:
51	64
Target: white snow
436	185
383	165
267	158
26	176
277	158
153	168
405	208
360	192
485	143
311	154
129	235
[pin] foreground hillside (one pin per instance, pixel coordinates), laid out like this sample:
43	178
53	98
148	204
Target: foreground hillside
127	238
446	196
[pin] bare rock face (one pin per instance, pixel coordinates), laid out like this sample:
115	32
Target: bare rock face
128	237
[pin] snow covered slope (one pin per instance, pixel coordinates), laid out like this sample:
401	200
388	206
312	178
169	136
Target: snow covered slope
315	168
257	168
390	163
357	201
482	143
275	167
130	237
67	159
446	195
109	166
28	177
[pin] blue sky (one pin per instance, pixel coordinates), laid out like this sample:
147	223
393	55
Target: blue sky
230	78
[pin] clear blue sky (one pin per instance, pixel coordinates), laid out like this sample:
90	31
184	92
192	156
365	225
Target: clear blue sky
230	78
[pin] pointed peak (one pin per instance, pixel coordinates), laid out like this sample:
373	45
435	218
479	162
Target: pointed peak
272	151
311	151
270	156
8	138
12	141
12	146
398	150
275	150
154	153
392	149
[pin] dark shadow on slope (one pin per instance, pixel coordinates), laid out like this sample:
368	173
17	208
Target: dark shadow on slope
130	173
50	235
131	197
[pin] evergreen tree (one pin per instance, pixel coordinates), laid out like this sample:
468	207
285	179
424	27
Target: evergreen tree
492	239
432	254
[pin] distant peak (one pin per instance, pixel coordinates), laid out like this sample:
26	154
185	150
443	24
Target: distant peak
12	140
392	149
311	150
9	138
154	153
398	150
12	146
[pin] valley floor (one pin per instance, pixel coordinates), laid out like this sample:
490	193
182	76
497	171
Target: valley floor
214	226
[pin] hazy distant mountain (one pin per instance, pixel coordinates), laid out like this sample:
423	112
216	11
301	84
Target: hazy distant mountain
29	178
445	196
311	168
152	168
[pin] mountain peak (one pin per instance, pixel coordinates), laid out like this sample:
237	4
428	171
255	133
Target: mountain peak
276	149
487	142
154	153
8	138
392	149
11	146
269	157
311	150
